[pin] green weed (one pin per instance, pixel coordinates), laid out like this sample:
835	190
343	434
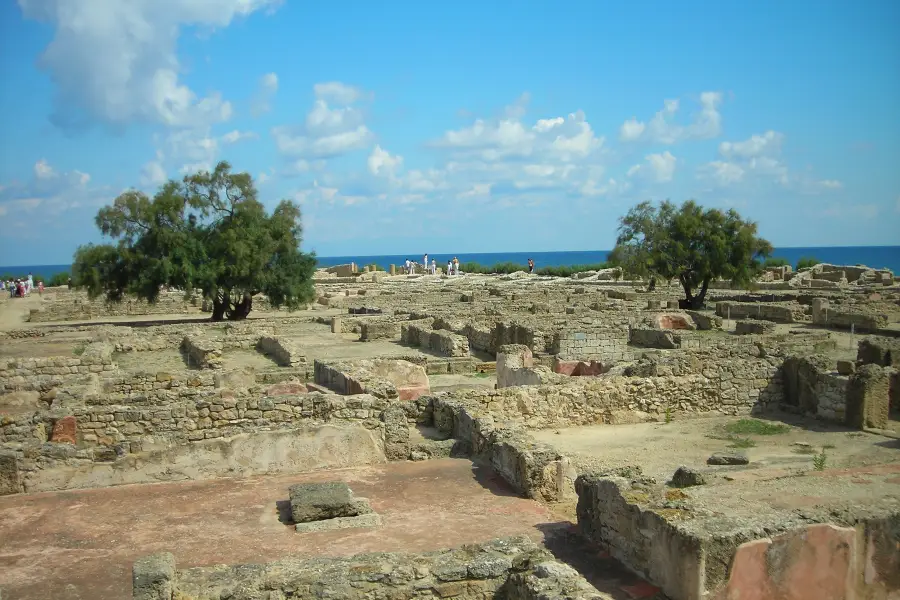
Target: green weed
756	427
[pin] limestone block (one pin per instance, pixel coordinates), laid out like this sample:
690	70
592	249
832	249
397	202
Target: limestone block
10	478
396	433
868	397
754	327
153	577
65	431
329	500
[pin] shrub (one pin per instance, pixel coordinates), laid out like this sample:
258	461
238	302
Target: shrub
807	262
756	427
776	262
569	270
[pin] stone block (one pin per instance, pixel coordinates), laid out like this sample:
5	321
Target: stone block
754	327
727	458
687	477
846	367
335	325
868	397
65	431
396	433
153	577
10	477
329	500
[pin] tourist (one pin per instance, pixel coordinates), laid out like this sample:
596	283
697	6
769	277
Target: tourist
408	265
41	287
433	267
425	262
530	266
449	266
455	266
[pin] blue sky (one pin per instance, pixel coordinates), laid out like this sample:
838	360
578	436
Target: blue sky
459	127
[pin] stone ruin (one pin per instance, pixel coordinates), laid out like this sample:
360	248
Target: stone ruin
388	384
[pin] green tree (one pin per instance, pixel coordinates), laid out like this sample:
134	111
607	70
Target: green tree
689	243
208	231
807	262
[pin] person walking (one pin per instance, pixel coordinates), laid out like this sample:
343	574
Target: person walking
530	265
433	267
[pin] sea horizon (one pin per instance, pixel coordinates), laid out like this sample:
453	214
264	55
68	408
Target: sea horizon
876	257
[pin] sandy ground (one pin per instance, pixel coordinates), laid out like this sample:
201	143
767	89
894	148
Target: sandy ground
81	544
660	448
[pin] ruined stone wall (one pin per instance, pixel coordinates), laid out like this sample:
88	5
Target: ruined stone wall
440	341
42	374
823	314
515	367
65	305
281	350
511	568
201	352
780	313
607	344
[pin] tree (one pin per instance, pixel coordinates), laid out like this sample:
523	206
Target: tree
208	231
807	262
692	244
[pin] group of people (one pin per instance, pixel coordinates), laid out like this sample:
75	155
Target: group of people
431	267
21	287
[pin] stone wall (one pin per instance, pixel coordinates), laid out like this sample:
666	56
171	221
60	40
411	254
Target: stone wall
511	568
721	559
515	367
65	305
383	378
440	341
607	344
282	350
657	338
201	352
216	434
780	313
44	374
824	315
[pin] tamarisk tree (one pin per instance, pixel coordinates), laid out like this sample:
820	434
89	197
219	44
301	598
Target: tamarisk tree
691	244
208	232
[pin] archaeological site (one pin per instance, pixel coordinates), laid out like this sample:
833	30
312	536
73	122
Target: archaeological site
469	436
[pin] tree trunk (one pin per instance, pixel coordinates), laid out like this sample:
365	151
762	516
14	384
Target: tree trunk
690	301
218	311
241	309
652	285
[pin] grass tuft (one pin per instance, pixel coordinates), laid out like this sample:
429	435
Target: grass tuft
756	427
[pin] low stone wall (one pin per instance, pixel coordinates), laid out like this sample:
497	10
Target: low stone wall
217	434
754	327
383	378
608	345
440	341
533	469
861	400
511	568
282	350
44	374
780	313
515	367
657	338
825	316
880	351
70	305
202	353
379	330
699	558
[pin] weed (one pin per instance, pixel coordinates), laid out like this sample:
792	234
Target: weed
668	414
79	348
756	427
804	450
741	442
819	461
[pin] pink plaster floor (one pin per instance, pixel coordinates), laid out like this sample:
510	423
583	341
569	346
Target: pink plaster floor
81	544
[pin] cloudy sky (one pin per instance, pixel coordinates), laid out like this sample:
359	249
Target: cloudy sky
455	127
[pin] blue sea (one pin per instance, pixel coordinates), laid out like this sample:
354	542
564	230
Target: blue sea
878	257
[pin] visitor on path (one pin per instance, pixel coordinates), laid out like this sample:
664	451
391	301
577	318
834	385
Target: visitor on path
29	284
40	288
408	264
425	262
455	266
433	267
530	266
449	266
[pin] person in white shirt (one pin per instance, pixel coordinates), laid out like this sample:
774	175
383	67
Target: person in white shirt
407	266
449	267
433	267
425	262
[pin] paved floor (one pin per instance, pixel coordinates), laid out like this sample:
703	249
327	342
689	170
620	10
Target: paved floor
81	544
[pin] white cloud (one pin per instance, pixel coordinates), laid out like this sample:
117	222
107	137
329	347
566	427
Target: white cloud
659	168
722	172
850	211
116	62
42	170
382	161
153	173
327	131
188	151
831	184
233	137
706	124
758	145
337	92
268	86
50	193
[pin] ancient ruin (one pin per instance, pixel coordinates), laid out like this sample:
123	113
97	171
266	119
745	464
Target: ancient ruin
471	437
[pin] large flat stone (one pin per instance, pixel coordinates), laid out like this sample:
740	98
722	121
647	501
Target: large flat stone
367	520
319	501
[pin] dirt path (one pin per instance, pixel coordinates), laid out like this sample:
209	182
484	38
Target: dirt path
14	311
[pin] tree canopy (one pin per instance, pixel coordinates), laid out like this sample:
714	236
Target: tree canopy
208	232
691	244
